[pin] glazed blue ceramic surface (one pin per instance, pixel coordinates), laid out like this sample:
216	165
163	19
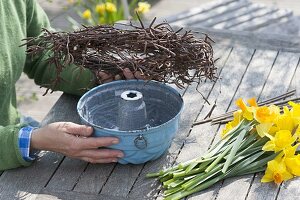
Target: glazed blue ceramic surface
103	108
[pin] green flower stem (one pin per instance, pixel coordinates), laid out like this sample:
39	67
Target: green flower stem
172	191
177	183
230	138
201	178
240	166
260	162
181	166
213	164
207	184
153	175
213	151
239	158
249	139
256	170
165	178
201	168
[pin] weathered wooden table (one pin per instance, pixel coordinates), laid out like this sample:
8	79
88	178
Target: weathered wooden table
240	15
250	65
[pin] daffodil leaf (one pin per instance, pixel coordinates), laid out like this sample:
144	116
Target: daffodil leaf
234	150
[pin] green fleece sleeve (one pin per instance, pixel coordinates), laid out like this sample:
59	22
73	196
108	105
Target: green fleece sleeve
10	157
74	79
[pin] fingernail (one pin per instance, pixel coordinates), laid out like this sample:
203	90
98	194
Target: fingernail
114	160
115	141
120	155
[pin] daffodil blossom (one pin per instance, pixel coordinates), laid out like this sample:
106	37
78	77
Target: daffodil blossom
266	114
293	164
295	112
237	118
283	139
87	14
246	110
100	9
276	171
285	120
110	7
143	7
263	129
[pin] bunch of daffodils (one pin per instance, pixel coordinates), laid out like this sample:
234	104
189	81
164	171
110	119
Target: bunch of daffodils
95	12
259	138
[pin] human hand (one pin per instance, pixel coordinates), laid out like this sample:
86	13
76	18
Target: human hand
73	140
104	77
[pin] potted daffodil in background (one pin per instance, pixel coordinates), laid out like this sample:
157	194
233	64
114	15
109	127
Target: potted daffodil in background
96	12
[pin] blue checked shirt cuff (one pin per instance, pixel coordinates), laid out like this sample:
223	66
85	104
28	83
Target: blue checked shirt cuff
24	142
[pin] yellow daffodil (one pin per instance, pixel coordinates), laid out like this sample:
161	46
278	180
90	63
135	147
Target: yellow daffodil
110	7
290	151
237	118
296	132
87	14
295	112
276	171
283	139
252	102
293	164
143	7
263	129
100	9
285	120
247	111
266	114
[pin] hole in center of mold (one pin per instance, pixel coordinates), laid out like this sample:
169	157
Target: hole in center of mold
131	95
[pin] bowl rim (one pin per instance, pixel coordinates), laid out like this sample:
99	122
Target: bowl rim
120	132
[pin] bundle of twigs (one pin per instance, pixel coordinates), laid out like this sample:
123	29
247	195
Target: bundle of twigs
157	51
281	100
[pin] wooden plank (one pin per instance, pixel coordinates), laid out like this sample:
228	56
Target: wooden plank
46	194
230	15
245	18
121	180
202	9
67	174
29	181
262	21
285	64
263	191
281	75
149	187
256	76
285	27
289	190
296	80
93	178
212	13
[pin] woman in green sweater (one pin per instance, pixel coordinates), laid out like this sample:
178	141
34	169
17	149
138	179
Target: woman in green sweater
20	19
